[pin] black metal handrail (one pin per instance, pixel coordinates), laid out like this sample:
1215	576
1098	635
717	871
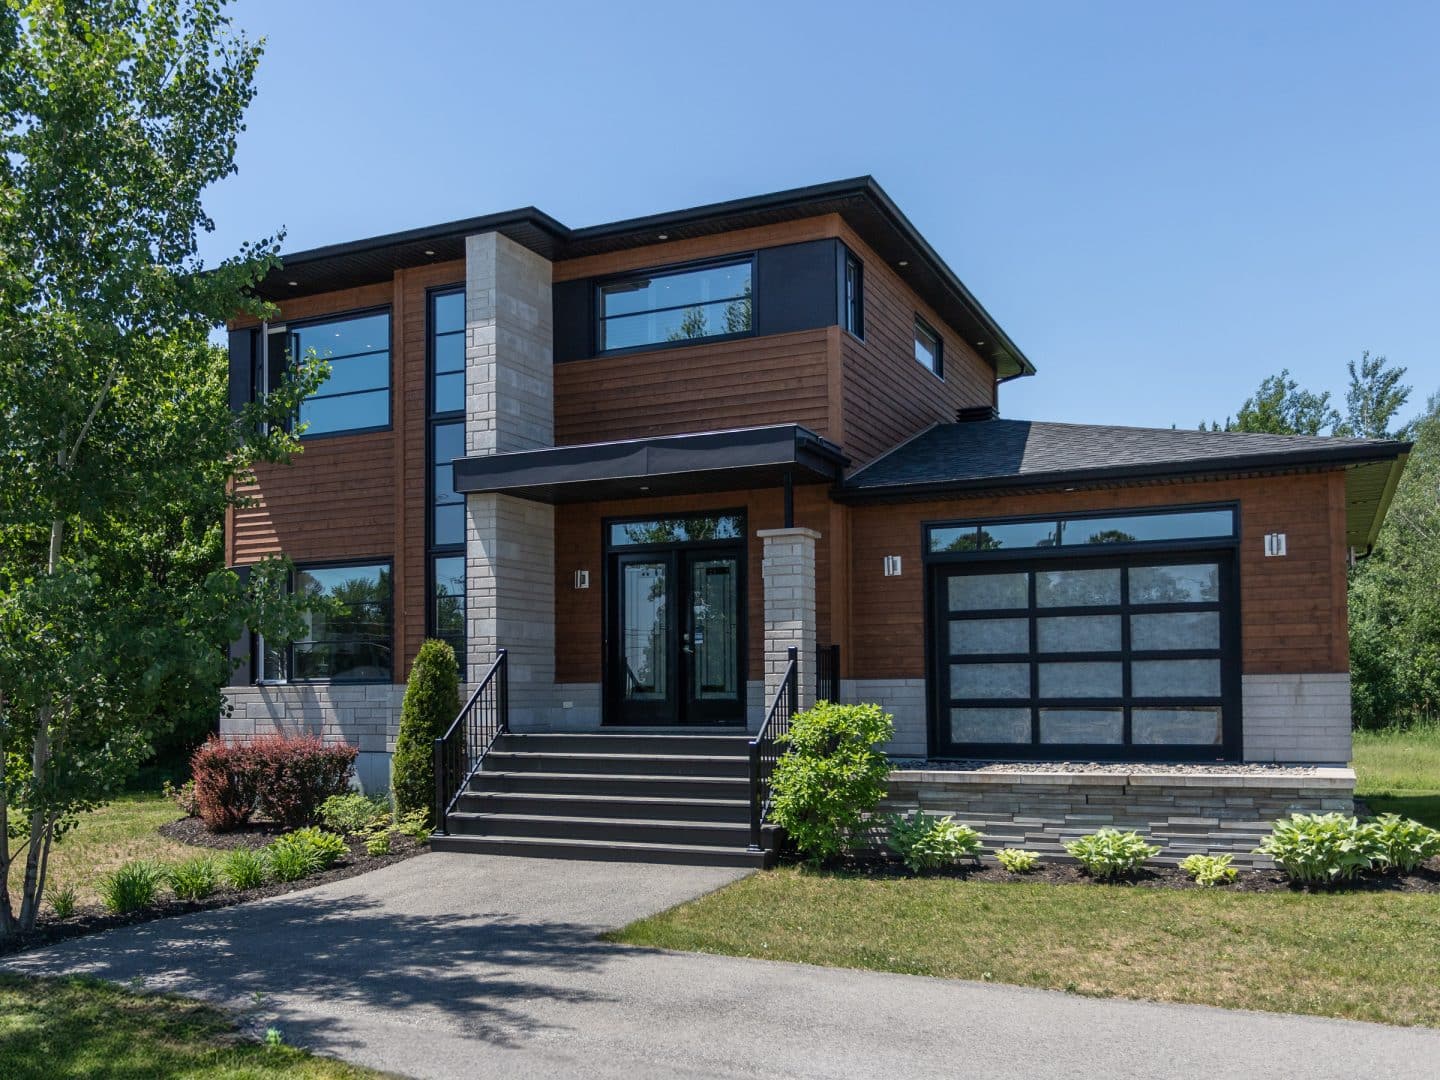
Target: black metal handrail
765	749
827	673
458	753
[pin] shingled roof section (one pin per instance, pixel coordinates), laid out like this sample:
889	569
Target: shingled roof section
990	455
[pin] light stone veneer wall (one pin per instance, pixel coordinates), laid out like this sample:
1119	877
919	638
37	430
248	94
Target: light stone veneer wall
1296	718
788	570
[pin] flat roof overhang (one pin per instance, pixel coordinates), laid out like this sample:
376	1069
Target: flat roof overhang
661	465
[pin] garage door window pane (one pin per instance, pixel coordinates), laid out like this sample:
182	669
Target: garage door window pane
1195	584
1080	680
1180	727
1105	726
1175	630
987	592
990	680
990	636
990	725
1175	678
1078	633
1076	588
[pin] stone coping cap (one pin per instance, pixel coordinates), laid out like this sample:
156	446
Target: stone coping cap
794	530
1324	777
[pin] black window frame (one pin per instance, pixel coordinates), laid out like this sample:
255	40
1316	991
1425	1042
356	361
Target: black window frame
287	328
1223	550
433	549
852	300
288	649
597	300
924	328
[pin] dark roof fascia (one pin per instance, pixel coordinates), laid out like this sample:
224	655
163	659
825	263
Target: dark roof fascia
1251	463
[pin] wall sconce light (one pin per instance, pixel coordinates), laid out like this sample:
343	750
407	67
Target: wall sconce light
582	579
892	565
1274	544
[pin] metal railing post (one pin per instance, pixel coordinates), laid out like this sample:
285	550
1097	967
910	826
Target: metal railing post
794	678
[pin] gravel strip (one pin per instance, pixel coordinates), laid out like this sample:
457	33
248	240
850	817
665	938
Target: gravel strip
1115	768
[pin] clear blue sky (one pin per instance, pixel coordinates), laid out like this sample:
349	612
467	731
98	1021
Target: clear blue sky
1159	205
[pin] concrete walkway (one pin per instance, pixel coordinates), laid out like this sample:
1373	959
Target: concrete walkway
476	966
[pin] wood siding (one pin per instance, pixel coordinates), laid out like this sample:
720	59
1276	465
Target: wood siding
1293	616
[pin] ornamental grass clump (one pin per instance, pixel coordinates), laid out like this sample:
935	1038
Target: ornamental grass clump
928	842
830	775
1209	870
244	868
1319	849
1017	861
1403	844
194	879
130	887
1110	853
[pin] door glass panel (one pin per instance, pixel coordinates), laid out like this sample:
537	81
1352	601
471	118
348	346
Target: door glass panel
989	635
990	725
1077	588
1198	583
645	631
1078	633
1175	678
677	530
984	592
1021	534
990	680
1080	680
1155	727
714	637
1082	725
1176	630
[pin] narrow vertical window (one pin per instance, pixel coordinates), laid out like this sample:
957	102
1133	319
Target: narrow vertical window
445	525
928	347
854	296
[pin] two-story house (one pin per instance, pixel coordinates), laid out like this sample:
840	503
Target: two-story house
648	458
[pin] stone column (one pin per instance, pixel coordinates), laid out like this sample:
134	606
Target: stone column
788	568
509	406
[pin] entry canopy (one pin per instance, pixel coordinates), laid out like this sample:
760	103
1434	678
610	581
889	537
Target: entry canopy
729	460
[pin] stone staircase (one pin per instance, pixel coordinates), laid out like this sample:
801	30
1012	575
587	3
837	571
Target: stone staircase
636	798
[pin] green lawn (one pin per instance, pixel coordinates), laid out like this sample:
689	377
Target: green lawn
51	1029
1365	956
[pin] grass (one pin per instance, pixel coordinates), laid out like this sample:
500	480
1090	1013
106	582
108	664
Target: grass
1365	956
105	838
1399	772
51	1029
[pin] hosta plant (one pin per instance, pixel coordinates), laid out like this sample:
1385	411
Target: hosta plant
927	842
1321	848
1017	861
194	879
1403	844
289	859
1208	870
328	847
1110	853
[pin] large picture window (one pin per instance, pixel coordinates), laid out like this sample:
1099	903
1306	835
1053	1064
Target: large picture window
356	395
674	306
348	632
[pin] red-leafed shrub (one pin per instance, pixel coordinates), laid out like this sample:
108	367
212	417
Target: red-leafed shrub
298	774
227	782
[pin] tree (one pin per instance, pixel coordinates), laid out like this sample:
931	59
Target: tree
1281	407
432	698
1375	396
115	117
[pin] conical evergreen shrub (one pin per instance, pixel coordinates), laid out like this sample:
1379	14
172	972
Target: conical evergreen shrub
432	700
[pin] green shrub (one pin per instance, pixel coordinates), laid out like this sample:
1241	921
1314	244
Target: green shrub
289	859
1403	844
1321	848
1017	861
1109	853
1209	870
928	842
377	840
244	868
194	879
831	776
416	825
351	814
329	848
63	901
131	887
432	701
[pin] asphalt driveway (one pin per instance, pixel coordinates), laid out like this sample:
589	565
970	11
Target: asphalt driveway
452	965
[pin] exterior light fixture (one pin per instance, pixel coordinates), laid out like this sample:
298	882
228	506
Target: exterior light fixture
892	565
293	283
1274	545
903	262
582	579
429	252
662	236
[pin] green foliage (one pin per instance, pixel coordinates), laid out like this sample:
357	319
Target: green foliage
274	1038
1403	844
1018	861
1282	407
1109	853
329	848
1209	870
928	842
432	701
416	825
131	887
63	901
183	797
377	839
194	879
830	776
1375	397
292	857
1321	848
353	813
244	868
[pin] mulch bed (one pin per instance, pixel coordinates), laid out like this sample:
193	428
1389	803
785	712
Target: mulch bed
92	918
1426	879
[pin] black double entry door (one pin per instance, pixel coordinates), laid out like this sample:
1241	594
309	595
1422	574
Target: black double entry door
675	619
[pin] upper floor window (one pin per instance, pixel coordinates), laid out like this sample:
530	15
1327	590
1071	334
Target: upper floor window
447	351
677	305
928	347
854	313
356	395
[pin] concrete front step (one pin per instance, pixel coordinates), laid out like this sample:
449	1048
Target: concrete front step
657	746
617	764
604	784
618	829
602	850
733	811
